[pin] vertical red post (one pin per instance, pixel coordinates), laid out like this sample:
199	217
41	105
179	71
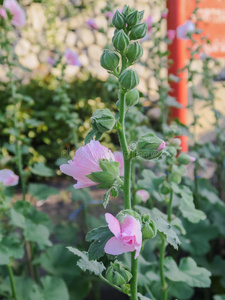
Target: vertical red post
178	53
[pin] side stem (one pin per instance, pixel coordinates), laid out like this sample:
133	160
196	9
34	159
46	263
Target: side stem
12	282
161	261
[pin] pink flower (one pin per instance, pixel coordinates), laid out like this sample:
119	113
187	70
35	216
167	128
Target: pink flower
91	23
85	161
51	61
184	29
143	194
3	13
192	159
171	34
119	158
149	22
127	235
18	15
109	15
162	146
72	58
164	14
8	177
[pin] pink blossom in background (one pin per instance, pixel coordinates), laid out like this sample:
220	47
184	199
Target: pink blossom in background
51	61
85	161
164	14
127	235
184	29
3	13
8	177
109	15
72	58
91	23
119	158
143	194
162	146
192	158
171	34
18	15
149	22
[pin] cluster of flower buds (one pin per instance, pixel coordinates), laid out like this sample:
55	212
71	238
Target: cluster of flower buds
118	274
149	146
149	229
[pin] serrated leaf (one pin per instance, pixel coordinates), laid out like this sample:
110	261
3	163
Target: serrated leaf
188	272
85	264
10	247
100	236
106	197
162	225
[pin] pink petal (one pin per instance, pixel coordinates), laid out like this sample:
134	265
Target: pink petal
137	251
115	246
113	224
132	227
143	194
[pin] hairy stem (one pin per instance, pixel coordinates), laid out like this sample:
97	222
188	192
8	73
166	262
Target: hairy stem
170	206
134	271
161	262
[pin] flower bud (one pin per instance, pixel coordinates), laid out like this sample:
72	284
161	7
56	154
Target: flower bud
184	159
118	274
123	213
114	191
150	146
165	188
174	177
149	229
120	41
118	20
138	31
131	97
134	52
126	10
140	15
102	120
132	18
129	79
109	60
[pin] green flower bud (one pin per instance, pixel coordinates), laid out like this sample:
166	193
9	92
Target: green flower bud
109	60
118	20
123	213
132	18
114	191
140	15
120	41
118	274
129	79
183	159
134	52
126	10
102	120
165	188
138	31
150	146
174	177
131	97
149	229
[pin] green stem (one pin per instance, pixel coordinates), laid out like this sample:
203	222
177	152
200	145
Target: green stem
133	184
161	262
149	292
170	206
134	272
113	285
12	282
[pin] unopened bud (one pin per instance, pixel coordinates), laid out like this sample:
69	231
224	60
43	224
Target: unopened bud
109	60
102	120
138	31
118	20
150	146
118	274
120	41
129	79
149	229
134	52
184	159
132	18
131	97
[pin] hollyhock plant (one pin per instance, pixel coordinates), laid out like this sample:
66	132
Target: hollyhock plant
91	23
3	13
8	177
18	15
143	195
127	235
171	34
72	58
85	161
119	158
184	29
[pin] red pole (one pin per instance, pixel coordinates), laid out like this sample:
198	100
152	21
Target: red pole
178	53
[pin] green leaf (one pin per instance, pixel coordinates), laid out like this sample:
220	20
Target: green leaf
106	197
171	102
10	247
40	169
54	288
187	207
80	194
197	238
37	233
151	183
208	192
180	290
85	264
188	272
219	297
141	297
162	225
41	191
17	219
100	236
